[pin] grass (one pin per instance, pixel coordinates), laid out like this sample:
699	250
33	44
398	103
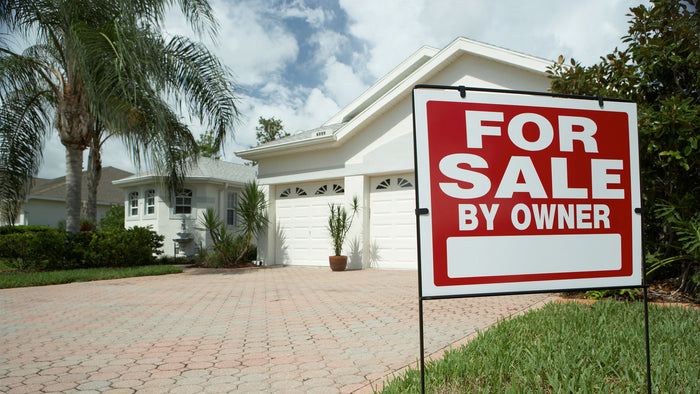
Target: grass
25	279
571	347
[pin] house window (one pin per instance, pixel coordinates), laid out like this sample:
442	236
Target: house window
133	204
231	204
183	202
150	202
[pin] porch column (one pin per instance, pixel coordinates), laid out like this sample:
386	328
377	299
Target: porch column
358	238
268	239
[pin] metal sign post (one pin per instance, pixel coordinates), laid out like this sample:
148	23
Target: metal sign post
524	192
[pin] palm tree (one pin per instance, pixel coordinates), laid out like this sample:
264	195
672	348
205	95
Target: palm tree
106	60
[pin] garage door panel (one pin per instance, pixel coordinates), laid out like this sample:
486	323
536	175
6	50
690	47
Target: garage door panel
392	222
302	220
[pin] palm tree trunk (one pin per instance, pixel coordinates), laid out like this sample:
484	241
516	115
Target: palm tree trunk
74	169
94	174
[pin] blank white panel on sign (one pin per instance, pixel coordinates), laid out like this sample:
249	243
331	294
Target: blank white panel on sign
470	257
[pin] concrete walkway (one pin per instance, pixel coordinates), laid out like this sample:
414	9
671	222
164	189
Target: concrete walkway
286	330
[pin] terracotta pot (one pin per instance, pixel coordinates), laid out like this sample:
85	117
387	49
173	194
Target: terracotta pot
338	263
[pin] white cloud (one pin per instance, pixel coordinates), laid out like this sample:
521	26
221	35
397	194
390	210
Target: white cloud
255	43
342	84
392	28
253	47
330	44
314	16
395	29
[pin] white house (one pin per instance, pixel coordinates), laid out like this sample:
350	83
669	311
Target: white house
366	150
45	204
212	184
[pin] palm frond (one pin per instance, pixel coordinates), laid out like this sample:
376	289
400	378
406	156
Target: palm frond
204	81
24	120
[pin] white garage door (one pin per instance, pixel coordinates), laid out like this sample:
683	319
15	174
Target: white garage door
302	215
393	222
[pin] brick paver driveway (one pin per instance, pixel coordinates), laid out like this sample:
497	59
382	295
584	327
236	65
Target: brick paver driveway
291	329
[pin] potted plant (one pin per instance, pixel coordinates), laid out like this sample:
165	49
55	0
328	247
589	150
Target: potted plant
338	226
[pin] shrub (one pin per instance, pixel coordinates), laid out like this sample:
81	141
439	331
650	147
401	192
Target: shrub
54	249
113	219
33	249
119	248
4	230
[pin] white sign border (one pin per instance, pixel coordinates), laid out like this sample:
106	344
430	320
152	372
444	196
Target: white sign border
422	94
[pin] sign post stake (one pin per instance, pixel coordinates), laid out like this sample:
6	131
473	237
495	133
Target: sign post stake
646	335
422	346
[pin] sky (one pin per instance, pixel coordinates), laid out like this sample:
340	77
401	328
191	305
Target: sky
301	61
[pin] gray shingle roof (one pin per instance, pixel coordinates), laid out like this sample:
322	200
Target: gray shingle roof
206	168
106	191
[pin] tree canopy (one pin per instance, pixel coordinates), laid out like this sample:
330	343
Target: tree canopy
269	130
207	145
105	61
660	70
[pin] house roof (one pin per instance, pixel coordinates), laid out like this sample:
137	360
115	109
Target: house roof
55	189
206	169
398	83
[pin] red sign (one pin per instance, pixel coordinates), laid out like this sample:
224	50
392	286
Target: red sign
526	192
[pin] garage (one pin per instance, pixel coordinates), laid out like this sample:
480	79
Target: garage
393	222
302	214
369	145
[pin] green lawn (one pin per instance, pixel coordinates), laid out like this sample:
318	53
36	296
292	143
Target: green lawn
24	279
571	347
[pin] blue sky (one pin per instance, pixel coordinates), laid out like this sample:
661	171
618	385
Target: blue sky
301	61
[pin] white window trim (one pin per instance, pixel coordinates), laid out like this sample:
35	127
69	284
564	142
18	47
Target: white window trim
146	205
234	208
130	207
193	210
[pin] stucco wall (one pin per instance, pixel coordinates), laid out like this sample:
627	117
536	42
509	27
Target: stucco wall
44	212
382	143
165	222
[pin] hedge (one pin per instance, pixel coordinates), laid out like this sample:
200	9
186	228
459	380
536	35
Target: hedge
46	248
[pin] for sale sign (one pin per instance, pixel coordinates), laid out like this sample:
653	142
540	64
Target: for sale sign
525	192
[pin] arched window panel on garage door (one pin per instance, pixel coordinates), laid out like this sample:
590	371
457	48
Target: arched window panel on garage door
292	192
329	188
390	183
310	189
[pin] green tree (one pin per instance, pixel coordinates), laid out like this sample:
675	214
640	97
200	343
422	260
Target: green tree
106	60
251	211
207	146
269	130
252	221
660	71
113	219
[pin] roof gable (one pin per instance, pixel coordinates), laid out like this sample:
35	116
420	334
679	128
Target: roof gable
398	83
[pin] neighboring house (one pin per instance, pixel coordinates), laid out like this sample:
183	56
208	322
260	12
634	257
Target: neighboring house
212	184
45	203
366	150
